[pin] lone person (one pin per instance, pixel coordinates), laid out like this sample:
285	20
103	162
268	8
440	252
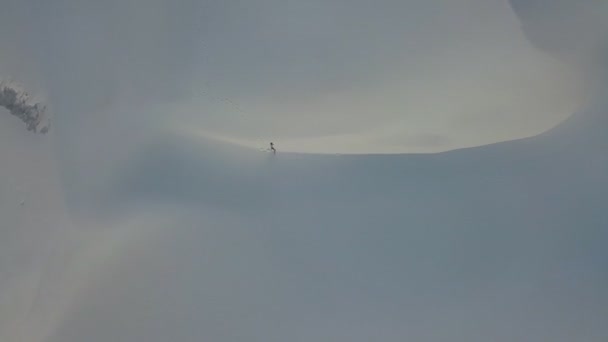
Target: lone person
272	148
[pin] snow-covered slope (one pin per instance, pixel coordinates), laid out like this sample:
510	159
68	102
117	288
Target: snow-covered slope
112	232
34	231
501	242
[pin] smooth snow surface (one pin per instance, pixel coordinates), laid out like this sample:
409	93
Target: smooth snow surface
193	239
119	225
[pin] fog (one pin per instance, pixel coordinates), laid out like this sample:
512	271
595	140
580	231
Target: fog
152	210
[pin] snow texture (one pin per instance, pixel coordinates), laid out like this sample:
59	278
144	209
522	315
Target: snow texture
193	238
172	236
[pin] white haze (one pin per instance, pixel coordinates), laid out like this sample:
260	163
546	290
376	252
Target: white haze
141	217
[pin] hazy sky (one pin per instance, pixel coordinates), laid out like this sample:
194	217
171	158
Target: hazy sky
323	76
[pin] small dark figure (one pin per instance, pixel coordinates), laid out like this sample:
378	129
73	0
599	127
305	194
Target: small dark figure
272	148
